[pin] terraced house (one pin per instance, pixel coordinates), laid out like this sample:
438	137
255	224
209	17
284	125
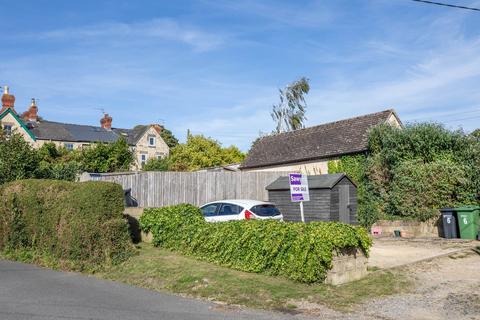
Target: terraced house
144	140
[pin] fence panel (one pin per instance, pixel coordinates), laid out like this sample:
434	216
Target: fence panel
158	189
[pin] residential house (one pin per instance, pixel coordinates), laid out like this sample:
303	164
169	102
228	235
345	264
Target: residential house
309	150
144	140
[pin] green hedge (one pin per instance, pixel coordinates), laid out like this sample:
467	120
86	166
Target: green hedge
301	252
79	224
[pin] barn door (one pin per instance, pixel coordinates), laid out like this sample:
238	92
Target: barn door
344	203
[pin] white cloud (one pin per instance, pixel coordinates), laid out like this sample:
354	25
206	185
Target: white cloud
162	28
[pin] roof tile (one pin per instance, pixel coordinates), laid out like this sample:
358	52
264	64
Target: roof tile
323	141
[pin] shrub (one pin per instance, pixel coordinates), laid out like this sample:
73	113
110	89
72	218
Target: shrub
409	173
419	189
18	160
107	157
161	164
80	223
301	252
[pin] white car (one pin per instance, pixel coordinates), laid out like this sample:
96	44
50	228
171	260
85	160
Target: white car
227	210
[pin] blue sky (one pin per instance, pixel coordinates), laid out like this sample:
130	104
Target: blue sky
215	67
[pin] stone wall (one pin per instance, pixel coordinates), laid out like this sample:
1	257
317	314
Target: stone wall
427	229
347	266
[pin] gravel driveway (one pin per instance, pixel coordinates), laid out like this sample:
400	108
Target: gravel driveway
447	287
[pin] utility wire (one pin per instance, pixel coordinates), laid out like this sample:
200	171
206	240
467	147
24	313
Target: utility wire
447	5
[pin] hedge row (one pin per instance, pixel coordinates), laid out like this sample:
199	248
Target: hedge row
301	252
81	223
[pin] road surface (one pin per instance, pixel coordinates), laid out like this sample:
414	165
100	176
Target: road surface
30	292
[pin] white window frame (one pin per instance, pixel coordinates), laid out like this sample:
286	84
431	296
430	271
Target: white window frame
154	141
67	144
143	159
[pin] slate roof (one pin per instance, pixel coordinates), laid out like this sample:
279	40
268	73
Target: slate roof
132	135
323	181
327	140
57	131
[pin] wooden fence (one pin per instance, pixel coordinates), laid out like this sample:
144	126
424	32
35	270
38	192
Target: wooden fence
157	189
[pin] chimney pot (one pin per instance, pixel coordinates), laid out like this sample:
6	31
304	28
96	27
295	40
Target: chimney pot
8	100
106	122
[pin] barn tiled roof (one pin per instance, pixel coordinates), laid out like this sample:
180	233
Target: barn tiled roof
57	131
323	141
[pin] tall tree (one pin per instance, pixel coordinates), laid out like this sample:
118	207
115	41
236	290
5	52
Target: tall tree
289	113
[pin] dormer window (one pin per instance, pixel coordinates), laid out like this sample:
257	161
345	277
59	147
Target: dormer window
152	141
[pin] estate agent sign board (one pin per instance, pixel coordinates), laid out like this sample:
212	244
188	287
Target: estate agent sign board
299	190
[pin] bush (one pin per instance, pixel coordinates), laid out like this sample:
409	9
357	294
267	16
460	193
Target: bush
18	160
419	189
298	251
162	164
77	223
107	157
410	173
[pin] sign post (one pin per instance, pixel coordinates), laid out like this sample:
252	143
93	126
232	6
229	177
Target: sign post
299	190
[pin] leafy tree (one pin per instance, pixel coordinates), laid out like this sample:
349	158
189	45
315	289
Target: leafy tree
103	157
169	138
18	160
476	133
162	164
201	152
289	114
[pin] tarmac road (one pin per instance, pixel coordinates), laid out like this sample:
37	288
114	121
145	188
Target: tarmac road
30	292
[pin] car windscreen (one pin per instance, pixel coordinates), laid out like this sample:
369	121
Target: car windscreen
265	210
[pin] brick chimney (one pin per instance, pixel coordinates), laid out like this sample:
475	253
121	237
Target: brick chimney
106	122
8	100
32	113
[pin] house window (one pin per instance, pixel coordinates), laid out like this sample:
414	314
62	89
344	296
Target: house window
143	159
7	129
151	141
68	146
160	155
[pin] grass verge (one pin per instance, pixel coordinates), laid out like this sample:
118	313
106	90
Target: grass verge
163	270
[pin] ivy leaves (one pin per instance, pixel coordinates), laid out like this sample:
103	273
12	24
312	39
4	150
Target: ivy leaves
302	252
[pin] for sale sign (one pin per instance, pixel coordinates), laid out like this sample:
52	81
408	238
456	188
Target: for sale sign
299	187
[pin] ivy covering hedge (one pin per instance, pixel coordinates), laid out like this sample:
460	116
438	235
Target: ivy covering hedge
301	252
77	224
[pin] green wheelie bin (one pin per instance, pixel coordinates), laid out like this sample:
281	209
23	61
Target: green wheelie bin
468	221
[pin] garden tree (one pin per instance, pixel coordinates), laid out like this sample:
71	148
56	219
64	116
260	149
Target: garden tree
162	164
201	152
169	138
103	157
476	133
58	163
289	113
18	160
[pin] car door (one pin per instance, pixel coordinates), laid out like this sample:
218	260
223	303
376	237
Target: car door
209	211
228	212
